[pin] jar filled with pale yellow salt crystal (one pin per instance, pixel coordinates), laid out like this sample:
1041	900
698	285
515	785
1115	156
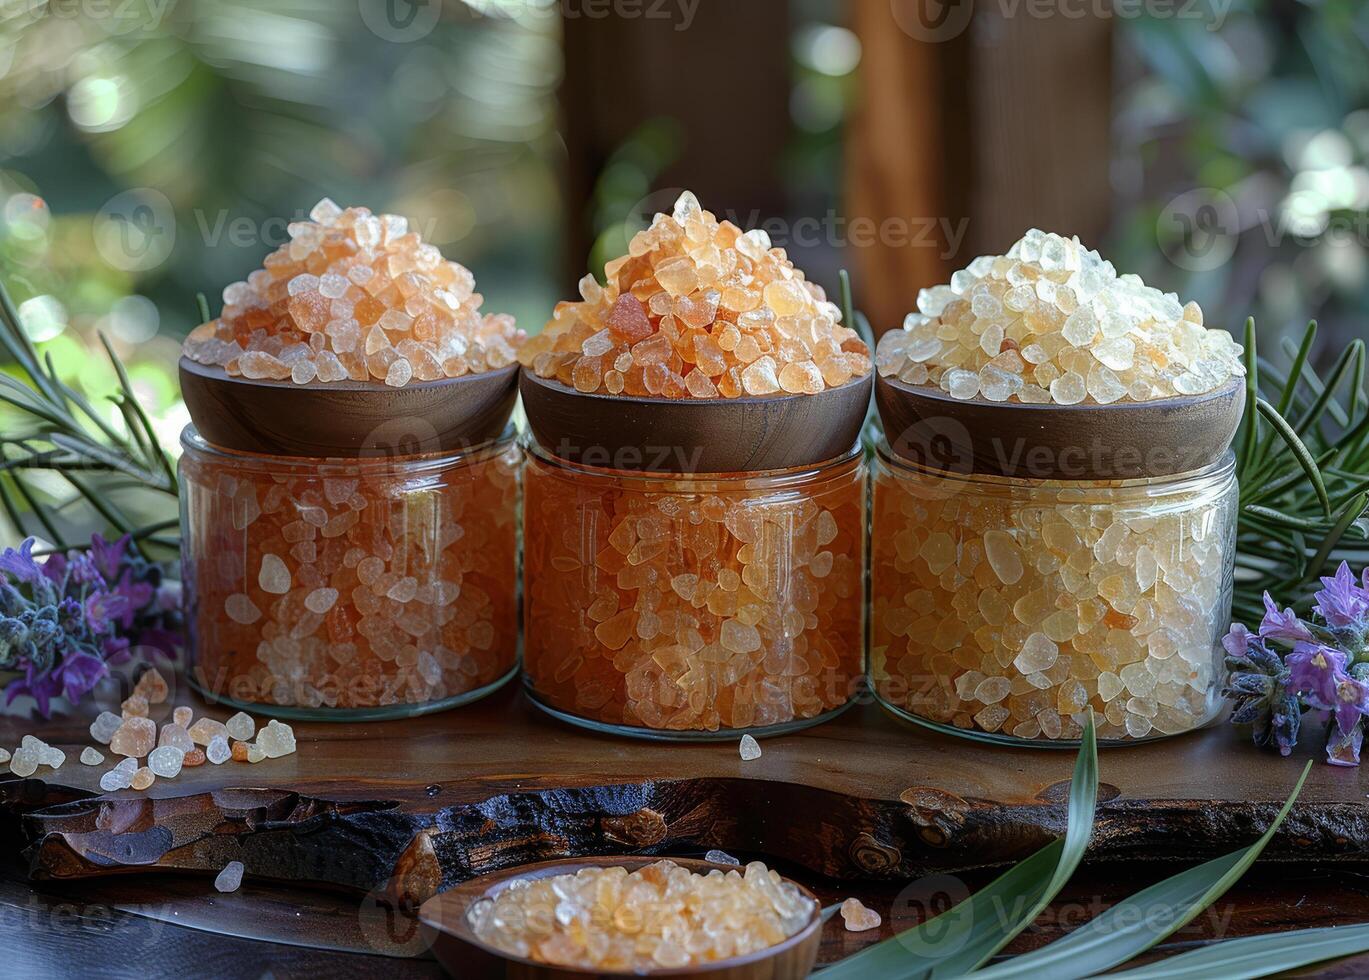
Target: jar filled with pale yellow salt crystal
1054	503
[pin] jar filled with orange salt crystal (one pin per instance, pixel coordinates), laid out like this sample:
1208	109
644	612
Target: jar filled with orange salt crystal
695	495
350	480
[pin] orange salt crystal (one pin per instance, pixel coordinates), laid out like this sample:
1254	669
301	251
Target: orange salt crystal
698	309
355	296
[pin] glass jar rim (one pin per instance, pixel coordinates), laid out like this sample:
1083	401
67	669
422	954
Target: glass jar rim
191	440
770	478
1219	471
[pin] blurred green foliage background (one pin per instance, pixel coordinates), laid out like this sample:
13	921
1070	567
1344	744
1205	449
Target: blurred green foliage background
153	149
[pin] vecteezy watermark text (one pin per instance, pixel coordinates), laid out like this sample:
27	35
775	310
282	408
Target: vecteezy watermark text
944	20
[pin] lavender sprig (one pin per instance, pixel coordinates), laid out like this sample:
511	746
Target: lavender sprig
66	620
1294	665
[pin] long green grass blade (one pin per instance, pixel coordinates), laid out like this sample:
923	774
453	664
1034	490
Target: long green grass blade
964	937
1133	926
1256	956
202	307
1299	450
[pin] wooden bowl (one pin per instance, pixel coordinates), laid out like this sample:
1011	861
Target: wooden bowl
1121	441
465	956
689	435
347	418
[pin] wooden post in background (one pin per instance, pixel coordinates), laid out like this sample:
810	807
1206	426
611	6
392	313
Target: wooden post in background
979	125
722	76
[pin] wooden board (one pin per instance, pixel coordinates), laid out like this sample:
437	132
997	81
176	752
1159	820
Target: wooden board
405	809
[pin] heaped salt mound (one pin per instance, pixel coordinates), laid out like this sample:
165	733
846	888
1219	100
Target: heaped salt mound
1052	321
355	296
698	309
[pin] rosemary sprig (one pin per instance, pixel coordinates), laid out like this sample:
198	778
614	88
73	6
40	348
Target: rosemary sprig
1303	482
63	432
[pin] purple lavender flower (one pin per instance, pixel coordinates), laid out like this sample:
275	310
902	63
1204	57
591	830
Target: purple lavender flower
1293	665
19	564
1315	672
64	621
1282	626
1257	683
1342	603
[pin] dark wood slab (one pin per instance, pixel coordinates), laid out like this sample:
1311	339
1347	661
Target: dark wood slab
688	435
347	418
1121	441
414	807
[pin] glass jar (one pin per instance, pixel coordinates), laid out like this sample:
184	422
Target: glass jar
1004	608
693	605
350	589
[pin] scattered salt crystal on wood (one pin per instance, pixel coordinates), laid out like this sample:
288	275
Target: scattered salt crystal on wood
720	857
218	751
91	756
240	726
857	917
749	748
276	739
135	738
152	686
166	761
230	878
205	730
104	726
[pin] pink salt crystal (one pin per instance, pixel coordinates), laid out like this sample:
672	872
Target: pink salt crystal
205	730
628	319
152	685
134	706
857	917
183	716
143	778
135	738
175	736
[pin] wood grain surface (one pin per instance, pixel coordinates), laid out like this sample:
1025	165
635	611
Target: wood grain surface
346	837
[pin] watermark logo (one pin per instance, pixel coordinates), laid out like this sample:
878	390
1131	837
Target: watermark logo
118	16
830	228
136	230
391	925
933	21
400	21
938	902
1198	229
936	21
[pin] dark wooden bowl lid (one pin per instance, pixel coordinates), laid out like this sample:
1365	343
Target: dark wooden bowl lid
347	418
1121	441
465	956
686	435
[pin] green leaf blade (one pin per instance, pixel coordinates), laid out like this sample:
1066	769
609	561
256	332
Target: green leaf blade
1133	926
1256	956
963	938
